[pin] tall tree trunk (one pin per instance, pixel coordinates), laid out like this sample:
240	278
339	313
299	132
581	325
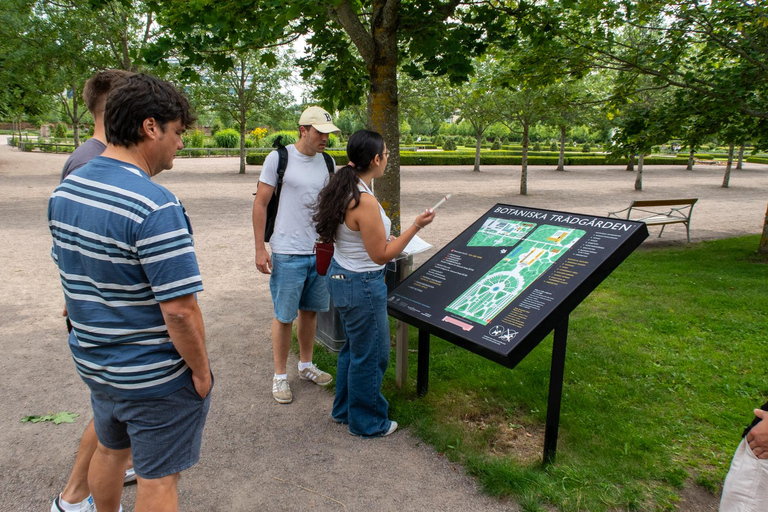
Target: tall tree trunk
763	247
740	164
631	163
639	176
242	103
561	158
75	118
524	169
383	117
377	45
478	146
689	167
242	143
727	176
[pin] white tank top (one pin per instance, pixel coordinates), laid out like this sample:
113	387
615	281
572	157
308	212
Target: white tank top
349	251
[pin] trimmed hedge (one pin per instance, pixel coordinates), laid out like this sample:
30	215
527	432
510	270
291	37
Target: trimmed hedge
340	157
757	160
451	158
519	148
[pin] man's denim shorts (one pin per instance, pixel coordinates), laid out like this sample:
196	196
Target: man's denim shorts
296	285
164	434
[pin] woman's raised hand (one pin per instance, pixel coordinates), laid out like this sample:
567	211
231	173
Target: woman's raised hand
424	218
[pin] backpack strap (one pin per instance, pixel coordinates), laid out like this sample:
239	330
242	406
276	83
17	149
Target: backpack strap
274	201
329	162
282	163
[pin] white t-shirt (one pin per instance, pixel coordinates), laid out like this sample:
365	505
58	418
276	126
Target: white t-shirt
304	177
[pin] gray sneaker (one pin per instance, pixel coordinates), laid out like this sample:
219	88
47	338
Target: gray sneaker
316	375
281	391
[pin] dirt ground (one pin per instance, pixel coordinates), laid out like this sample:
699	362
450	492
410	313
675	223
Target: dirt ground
257	454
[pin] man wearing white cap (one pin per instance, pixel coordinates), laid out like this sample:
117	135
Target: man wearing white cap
297	290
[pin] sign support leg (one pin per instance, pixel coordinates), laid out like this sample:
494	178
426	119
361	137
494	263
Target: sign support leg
555	391
404	268
422	367
401	353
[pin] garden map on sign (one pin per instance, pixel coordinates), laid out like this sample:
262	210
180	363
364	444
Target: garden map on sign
493	292
508	279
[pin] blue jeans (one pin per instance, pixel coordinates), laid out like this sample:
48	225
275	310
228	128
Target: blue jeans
361	299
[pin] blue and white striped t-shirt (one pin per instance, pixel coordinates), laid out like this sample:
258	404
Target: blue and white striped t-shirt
122	244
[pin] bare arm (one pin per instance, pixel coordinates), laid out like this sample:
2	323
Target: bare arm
263	195
367	218
184	321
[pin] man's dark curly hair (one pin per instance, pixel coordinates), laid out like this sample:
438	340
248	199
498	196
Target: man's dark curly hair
141	97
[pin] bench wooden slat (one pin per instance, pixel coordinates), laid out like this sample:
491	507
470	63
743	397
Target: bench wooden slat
663	202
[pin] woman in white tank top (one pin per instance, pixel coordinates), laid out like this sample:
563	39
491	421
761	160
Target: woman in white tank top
349	215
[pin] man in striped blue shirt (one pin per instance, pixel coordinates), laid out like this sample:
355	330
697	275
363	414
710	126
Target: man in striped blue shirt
124	248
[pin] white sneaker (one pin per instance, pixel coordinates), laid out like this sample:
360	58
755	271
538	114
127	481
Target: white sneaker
316	375
130	476
85	506
281	391
392	428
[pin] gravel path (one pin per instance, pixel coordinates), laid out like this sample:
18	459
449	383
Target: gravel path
258	455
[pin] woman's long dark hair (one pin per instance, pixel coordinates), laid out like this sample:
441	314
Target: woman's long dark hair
333	200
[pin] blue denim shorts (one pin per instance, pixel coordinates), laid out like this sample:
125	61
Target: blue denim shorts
296	285
164	434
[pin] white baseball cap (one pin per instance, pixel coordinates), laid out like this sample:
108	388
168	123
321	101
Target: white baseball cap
319	118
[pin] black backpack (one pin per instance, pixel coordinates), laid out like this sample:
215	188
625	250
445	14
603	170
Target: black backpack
274	201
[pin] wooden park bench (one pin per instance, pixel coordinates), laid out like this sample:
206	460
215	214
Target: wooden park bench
660	212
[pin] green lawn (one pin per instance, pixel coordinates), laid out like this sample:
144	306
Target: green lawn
665	362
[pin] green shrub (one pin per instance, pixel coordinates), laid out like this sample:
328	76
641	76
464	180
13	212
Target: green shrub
586	148
496	145
407	139
553	147
757	160
255	158
449	145
665	160
439	140
332	141
288	137
216	127
340	157
229	138
60	131
193	139
537	147
591	160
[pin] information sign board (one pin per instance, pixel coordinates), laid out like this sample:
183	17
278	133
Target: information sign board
517	272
